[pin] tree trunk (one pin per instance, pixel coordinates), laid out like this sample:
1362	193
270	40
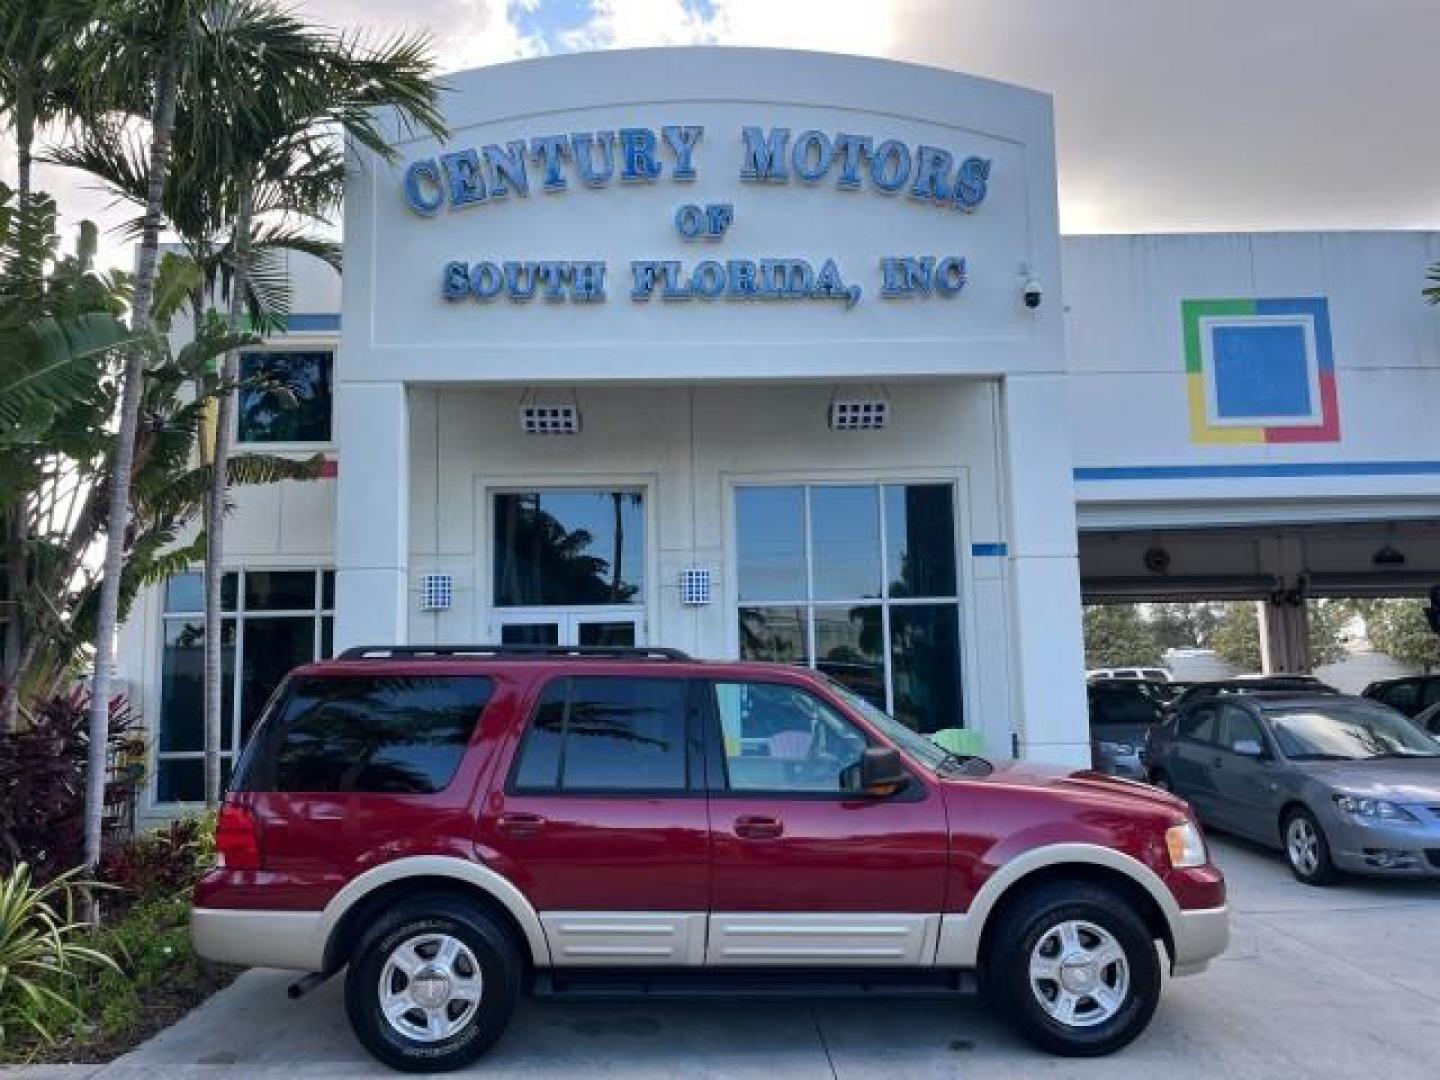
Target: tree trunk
24	139
215	502
117	519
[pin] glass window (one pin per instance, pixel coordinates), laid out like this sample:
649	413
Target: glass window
607	635
606	734
182	684
1349	733
859	581
393	735
1199	724
782	739
770	530
260	648
1237	726
920	539
845	542
282	590
850	648
538	633
925	665
285	397
569	548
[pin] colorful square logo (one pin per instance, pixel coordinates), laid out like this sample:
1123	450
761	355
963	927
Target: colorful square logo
1260	371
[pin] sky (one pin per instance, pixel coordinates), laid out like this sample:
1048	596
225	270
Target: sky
1171	115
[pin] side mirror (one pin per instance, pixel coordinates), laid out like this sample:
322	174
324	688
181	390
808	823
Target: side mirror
1248	748
882	773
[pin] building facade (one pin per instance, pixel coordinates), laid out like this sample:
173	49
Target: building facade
767	355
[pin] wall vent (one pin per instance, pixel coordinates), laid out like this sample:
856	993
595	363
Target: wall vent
695	586
437	592
550	419
859	414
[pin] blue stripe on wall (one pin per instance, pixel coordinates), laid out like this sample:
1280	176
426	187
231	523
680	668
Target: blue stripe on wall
312	321
1281	470
979	550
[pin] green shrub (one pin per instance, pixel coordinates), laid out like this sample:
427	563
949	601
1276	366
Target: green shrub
44	952
164	862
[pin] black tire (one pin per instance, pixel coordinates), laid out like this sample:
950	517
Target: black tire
422	919
1035	918
1317	870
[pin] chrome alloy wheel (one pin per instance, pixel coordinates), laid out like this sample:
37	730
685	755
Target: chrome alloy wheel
1302	844
430	987
1079	973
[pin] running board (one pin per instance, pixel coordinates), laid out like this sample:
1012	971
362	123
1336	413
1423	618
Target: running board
629	984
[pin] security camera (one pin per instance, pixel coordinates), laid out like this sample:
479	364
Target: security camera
1034	292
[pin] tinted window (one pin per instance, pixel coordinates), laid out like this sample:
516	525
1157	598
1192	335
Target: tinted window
393	734
1199	724
920	539
770	542
606	734
780	738
1404	696
1237	726
285	397
1349	733
1120	705
569	547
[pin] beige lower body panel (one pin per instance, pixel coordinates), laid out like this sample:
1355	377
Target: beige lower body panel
844	939
279	939
611	938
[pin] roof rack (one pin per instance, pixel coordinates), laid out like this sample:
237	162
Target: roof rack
508	652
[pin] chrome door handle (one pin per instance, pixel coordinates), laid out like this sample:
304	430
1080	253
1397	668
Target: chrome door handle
758	827
519	826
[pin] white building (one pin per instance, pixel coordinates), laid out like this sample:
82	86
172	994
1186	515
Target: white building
740	352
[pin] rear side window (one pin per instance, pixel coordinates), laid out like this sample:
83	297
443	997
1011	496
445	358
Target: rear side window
395	734
601	734
1199	724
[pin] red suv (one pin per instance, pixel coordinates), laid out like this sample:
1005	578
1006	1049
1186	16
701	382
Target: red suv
458	826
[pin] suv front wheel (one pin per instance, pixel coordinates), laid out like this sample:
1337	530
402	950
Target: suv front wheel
1075	969
432	985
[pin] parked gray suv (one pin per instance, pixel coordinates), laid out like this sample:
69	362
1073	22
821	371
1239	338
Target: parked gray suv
1337	783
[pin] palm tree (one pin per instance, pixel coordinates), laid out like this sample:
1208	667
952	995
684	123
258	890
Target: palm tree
38	70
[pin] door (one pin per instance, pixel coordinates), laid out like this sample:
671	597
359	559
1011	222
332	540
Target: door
1246	792
589	627
602	823
1192	755
805	872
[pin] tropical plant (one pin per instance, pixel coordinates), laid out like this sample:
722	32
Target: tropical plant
39	70
42	943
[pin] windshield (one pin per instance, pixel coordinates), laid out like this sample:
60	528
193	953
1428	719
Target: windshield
1349	733
913	743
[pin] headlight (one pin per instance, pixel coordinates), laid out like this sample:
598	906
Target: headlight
1185	845
1375	809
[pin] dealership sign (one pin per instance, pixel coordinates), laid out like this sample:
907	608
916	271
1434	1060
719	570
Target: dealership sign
468	179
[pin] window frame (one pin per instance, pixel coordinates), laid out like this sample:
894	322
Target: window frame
717	777
1222	741
239	614
962	601
692	745
291	344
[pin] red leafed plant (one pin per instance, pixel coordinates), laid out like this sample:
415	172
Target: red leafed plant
42	784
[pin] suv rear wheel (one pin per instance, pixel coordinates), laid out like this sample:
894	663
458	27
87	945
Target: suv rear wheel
1075	969
432	985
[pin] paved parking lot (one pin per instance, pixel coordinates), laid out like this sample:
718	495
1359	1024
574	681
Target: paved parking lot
1343	982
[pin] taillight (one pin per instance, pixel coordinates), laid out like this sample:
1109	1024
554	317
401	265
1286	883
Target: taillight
237	838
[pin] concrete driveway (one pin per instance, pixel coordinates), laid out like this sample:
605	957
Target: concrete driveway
1342	982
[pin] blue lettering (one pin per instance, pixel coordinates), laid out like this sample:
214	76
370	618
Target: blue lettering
673	289
462	171
681	141
890	165
645	275
520	280
972	183
587	282
708	280
852	148
892	272
486	280
638	152
507	164
950	275
719	216
690	221
455	284
423	189
828	284
765	154
741	274
552	150
811	156
583	145
932	171
551	277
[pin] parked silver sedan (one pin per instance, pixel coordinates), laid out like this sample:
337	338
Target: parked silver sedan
1337	783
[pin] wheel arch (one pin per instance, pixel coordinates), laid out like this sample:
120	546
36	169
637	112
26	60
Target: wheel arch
345	916
964	938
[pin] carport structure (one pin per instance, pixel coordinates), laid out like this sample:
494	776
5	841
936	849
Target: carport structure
1280	564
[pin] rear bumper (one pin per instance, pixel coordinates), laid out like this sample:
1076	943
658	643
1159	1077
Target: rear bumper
1200	935
278	939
